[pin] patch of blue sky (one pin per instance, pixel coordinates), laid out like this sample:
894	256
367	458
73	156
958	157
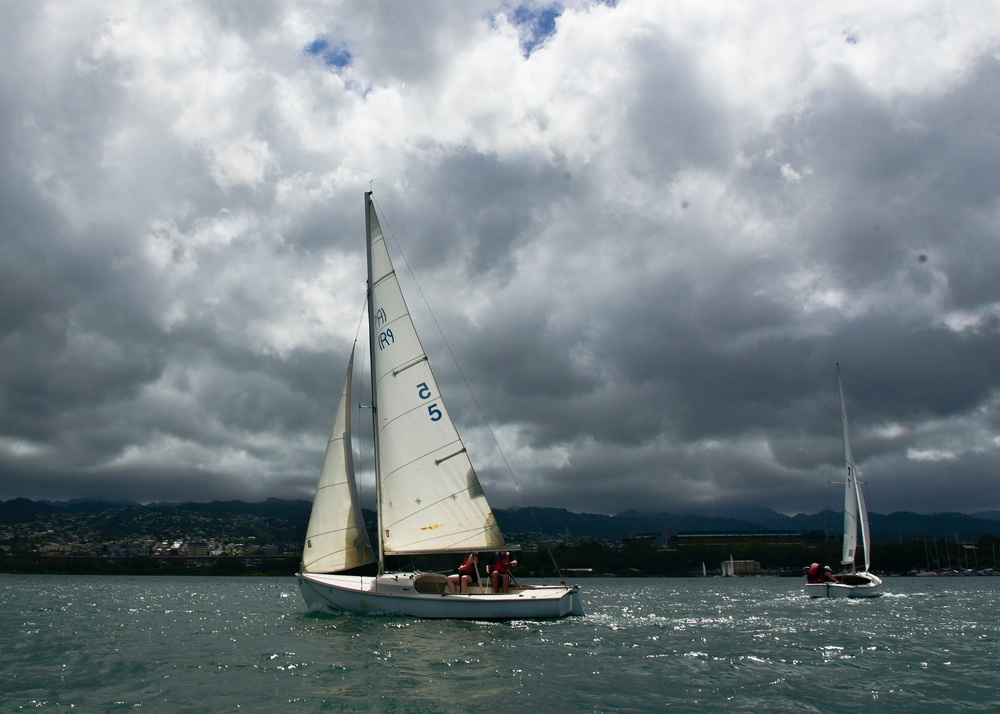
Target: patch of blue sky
337	57
536	24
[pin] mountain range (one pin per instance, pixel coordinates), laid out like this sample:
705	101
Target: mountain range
894	527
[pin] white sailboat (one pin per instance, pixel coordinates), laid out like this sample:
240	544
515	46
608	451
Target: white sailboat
728	568
852	582
428	496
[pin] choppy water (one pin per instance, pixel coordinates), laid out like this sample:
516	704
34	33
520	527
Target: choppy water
177	644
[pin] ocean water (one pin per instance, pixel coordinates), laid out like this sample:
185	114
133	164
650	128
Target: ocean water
201	644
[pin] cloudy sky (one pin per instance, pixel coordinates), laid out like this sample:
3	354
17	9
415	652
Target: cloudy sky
648	231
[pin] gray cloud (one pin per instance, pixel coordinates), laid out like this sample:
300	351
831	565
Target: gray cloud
648	242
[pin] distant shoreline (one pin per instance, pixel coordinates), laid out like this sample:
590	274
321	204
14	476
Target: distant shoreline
287	566
259	565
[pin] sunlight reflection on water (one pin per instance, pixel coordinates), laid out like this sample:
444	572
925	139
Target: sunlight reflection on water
212	644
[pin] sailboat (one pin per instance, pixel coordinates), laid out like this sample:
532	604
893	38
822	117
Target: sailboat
428	497
852	582
728	568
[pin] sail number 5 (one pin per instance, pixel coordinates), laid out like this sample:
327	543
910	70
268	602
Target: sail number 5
424	392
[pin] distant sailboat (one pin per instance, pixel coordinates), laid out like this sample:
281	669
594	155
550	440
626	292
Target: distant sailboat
851	582
428	496
728	568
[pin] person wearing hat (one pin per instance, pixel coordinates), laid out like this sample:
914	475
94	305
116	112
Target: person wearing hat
828	576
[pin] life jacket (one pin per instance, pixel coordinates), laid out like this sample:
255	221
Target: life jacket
814	574
502	565
467	567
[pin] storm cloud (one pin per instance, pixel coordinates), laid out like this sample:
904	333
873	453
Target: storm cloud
647	230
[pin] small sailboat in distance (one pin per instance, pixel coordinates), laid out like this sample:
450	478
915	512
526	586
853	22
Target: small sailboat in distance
428	497
851	582
728	568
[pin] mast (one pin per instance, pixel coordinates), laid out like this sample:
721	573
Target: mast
850	488
374	381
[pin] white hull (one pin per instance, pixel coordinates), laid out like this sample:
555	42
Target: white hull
424	595
852	585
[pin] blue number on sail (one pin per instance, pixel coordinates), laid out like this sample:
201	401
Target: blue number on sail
385	339
424	392
380	316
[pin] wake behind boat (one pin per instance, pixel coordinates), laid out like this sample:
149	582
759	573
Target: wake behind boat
851	582
429	499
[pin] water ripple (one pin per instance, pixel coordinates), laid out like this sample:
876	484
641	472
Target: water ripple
217	644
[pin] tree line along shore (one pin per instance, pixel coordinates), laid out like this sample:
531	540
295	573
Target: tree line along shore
639	558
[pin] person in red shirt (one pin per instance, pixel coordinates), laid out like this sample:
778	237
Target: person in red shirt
501	566
468	572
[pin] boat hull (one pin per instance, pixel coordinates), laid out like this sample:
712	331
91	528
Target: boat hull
847	585
424	595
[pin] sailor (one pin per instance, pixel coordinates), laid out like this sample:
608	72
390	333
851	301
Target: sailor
500	571
468	572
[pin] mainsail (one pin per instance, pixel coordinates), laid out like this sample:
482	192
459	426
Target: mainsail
336	539
855	511
429	496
